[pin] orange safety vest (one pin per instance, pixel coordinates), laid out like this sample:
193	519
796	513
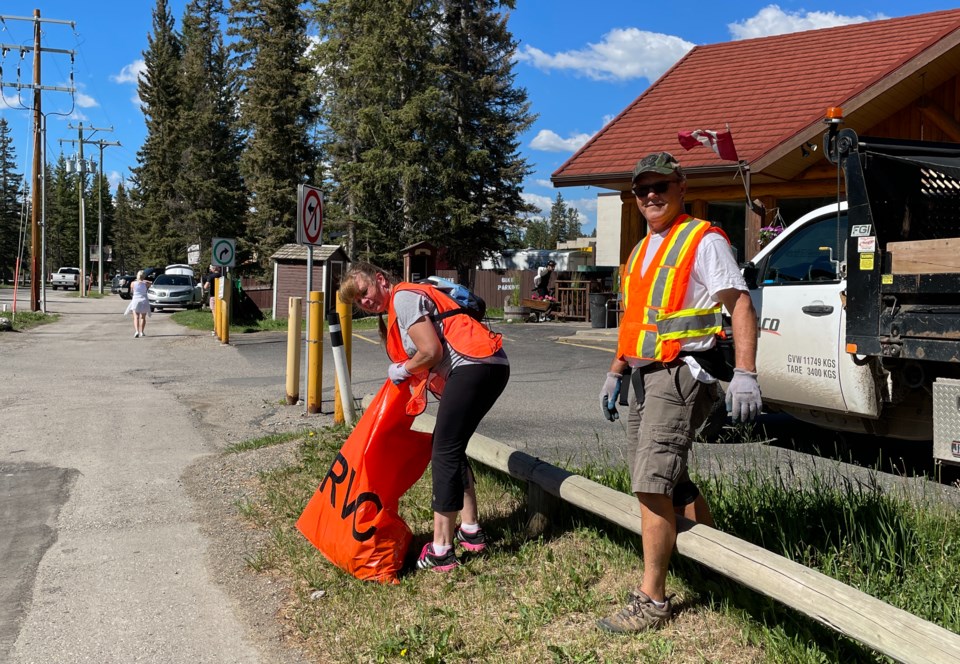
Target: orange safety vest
465	334
653	325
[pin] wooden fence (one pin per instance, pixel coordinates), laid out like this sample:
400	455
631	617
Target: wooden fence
876	624
494	286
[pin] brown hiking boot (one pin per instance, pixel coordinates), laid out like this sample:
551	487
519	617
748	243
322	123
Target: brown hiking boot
638	615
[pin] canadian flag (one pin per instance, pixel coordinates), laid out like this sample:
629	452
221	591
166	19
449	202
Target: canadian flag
720	142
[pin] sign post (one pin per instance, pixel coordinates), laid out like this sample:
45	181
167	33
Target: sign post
309	230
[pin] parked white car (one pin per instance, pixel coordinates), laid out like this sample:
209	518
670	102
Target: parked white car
170	291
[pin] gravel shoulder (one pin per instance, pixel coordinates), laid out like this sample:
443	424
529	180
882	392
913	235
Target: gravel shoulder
146	561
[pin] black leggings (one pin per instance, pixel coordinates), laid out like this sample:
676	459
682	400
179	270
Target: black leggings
469	394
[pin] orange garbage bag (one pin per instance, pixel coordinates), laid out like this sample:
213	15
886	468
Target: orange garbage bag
352	518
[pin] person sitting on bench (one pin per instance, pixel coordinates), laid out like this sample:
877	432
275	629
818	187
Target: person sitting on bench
541	282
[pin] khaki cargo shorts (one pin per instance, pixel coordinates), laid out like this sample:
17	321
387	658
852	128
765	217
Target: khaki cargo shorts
660	429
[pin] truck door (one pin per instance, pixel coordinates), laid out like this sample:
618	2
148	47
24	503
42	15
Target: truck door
800	350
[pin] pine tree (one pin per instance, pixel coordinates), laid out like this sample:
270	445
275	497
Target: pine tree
62	217
98	198
483	170
209	185
124	233
159	157
537	234
379	110
11	204
277	114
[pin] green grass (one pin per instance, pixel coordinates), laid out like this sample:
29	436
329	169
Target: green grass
24	320
537	598
264	441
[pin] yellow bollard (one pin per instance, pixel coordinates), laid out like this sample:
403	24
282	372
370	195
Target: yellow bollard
345	312
294	316
216	307
225	316
314	351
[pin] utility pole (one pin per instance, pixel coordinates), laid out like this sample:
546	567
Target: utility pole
36	276
82	169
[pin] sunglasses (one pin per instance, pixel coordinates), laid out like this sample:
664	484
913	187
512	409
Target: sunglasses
643	190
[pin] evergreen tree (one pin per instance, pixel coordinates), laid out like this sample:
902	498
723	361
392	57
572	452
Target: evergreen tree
482	168
537	235
564	224
11	204
98	199
124	233
159	157
208	182
62	217
380	109
277	114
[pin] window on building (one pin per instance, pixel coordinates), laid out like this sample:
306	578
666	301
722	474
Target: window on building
730	216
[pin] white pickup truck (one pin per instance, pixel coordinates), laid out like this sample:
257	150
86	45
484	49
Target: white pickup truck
66	277
857	302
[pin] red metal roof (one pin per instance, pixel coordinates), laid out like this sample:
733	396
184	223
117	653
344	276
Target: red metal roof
767	89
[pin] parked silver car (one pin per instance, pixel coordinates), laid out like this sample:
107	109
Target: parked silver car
173	290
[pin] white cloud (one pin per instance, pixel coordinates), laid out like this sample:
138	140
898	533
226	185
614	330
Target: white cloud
549	141
544	183
542	203
11	100
771	20
624	54
130	73
85	101
114	178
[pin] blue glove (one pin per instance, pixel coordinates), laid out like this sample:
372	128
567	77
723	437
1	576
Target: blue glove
609	394
397	373
743	396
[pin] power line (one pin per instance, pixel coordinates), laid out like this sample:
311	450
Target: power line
36	244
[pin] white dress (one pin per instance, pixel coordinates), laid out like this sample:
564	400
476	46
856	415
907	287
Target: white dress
139	303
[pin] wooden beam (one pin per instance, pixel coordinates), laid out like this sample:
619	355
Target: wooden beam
925	256
942	119
887	629
801	189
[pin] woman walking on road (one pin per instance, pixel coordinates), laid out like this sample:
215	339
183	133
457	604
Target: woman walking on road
432	342
139	304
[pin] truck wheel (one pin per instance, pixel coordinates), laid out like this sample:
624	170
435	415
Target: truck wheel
53	287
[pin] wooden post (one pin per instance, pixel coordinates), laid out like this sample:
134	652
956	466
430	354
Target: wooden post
542	510
293	349
314	351
345	312
227	287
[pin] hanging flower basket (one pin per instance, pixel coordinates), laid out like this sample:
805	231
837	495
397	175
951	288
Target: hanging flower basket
767	234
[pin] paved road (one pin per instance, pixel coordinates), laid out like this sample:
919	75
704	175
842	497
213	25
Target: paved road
107	558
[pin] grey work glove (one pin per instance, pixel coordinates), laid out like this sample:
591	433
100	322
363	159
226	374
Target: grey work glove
397	373
743	396
609	394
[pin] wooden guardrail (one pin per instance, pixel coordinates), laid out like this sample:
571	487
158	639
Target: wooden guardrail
876	624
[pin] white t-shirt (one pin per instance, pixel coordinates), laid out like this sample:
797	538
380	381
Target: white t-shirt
714	269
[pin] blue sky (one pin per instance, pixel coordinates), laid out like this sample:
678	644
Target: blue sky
581	64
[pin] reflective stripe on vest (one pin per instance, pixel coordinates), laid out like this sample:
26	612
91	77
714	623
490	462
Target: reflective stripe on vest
654	327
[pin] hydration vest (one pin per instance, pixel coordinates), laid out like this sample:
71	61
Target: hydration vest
653	325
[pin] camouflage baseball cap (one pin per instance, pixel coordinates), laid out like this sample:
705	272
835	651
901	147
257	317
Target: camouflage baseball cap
663	163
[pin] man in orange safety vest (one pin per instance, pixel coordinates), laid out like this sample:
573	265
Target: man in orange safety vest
675	282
